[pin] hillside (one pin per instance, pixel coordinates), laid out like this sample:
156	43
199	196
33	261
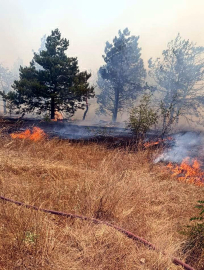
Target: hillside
115	185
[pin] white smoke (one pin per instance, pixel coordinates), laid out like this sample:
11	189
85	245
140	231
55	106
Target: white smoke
183	145
80	131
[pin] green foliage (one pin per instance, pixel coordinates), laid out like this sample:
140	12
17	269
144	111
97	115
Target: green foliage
142	117
195	235
122	76
56	86
30	237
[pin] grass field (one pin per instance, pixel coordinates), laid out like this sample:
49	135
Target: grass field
119	186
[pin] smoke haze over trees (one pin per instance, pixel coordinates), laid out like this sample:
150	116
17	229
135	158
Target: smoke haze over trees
42	48
16	66
58	86
122	77
179	78
7	78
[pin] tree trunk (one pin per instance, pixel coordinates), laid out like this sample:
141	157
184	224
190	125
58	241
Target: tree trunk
87	108
4	102
52	108
115	111
5	112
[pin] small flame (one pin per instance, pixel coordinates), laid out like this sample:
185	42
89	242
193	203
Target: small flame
36	134
188	173
149	144
58	116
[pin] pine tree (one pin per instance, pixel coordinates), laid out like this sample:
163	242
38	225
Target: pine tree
57	86
122	76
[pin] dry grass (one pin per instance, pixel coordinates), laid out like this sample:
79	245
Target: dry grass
113	185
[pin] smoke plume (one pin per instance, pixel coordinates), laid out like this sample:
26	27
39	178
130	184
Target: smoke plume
189	144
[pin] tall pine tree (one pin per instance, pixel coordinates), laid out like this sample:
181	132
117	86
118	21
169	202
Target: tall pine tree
122	76
57	86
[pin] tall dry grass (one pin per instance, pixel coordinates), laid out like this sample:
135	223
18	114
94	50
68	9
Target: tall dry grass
117	186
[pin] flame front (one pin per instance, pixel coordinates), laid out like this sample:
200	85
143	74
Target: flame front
188	173
36	134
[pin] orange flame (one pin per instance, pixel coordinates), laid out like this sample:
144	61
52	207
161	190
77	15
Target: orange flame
58	116
36	134
188	173
149	144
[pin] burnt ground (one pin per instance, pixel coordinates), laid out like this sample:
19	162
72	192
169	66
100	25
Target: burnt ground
109	135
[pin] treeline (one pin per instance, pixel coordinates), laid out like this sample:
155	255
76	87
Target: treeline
173	84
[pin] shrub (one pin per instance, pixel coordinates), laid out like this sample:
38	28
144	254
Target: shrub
142	117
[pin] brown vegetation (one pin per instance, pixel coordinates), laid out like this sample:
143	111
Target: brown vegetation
117	186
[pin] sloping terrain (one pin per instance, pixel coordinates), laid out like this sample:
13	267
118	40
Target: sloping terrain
118	186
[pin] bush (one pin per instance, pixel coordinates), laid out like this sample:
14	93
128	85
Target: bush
142	117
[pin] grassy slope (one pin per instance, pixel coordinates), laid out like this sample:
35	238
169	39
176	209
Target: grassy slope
113	185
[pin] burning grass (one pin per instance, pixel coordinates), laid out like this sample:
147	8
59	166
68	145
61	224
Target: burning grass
35	135
117	186
192	174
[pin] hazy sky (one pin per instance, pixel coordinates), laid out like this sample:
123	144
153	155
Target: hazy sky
88	24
